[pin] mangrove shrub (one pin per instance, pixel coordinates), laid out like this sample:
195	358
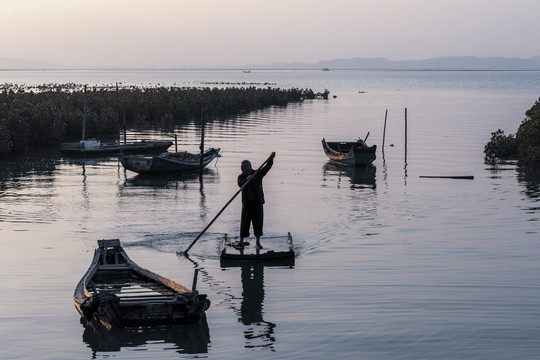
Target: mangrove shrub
46	115
525	145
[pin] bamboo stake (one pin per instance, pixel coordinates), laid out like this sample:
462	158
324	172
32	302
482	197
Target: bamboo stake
384	131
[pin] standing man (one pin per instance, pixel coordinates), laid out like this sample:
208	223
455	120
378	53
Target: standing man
252	199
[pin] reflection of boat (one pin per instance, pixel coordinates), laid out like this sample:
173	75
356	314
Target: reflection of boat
350	153
277	250
168	180
115	291
184	339
359	175
168	162
98	148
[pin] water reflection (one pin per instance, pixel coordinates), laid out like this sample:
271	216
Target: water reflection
360	176
182	339
169	180
258	332
529	177
35	162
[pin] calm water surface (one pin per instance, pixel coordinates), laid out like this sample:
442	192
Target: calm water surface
389	265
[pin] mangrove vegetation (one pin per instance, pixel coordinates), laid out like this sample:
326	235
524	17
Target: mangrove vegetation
523	146
45	115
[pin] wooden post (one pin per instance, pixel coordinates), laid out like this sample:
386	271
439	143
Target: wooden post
116	106
202	138
405	136
194	286
384	131
175	143
83	137
124	121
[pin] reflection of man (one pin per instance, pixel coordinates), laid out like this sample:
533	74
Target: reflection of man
252	199
261	332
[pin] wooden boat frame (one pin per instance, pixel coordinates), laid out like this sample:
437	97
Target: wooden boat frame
115	291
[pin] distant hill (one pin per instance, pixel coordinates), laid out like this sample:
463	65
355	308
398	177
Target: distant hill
441	63
379	63
16	64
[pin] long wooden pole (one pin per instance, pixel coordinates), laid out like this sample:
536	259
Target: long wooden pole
219	213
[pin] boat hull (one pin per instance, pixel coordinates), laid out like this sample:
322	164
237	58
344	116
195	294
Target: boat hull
168	162
115	291
137	147
349	153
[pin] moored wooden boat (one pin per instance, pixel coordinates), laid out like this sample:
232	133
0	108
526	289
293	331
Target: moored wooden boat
169	162
97	148
350	153
277	251
115	291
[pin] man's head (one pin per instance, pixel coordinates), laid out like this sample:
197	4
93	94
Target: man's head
246	167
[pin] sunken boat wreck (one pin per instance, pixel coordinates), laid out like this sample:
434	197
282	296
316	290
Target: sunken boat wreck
115	291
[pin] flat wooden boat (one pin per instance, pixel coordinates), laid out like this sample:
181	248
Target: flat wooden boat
97	148
350	153
115	291
276	250
169	162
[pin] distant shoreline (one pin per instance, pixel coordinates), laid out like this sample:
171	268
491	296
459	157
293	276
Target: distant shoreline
447	63
268	69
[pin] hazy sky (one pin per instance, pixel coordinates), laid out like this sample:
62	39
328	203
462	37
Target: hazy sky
143	33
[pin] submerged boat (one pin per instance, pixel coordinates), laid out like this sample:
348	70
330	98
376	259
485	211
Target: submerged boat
168	162
350	153
98	148
115	291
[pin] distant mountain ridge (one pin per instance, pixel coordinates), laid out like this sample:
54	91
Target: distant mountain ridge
18	64
379	63
440	63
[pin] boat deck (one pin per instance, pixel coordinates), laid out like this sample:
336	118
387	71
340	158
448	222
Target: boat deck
278	250
135	289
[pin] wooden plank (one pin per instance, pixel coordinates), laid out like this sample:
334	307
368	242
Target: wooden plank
466	177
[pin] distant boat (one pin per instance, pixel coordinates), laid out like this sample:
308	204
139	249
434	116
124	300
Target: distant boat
174	162
325	69
95	147
246	71
115	291
350	153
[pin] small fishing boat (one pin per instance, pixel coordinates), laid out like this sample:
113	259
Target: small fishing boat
168	162
97	148
276	251
115	291
350	153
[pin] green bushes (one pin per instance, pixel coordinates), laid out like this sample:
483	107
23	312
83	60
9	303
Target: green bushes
47	114
525	146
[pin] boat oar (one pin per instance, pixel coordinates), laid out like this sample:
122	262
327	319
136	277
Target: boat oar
222	209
